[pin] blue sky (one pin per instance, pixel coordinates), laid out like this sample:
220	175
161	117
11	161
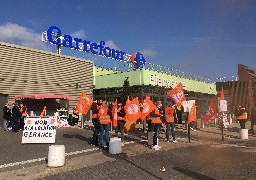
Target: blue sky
207	38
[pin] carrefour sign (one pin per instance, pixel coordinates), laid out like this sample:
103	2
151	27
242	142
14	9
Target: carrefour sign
55	36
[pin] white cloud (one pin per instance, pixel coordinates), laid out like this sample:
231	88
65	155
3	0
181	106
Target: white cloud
112	45
16	34
79	34
148	53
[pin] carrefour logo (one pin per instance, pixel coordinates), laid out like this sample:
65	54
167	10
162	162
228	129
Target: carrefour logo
54	36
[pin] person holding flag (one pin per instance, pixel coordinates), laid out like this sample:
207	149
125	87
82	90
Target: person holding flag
104	119
95	121
121	119
169	118
192	118
156	122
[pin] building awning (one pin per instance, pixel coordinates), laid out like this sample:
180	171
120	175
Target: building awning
43	96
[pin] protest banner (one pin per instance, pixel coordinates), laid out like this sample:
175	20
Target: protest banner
39	130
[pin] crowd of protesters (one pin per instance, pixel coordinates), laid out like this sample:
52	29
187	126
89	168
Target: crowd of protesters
13	116
161	116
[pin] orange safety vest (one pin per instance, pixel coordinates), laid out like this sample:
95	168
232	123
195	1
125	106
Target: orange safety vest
169	114
156	120
24	113
243	117
104	117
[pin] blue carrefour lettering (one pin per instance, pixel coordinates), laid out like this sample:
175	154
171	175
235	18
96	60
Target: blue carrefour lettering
50	33
55	37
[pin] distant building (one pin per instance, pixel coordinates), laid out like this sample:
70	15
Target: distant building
241	92
30	71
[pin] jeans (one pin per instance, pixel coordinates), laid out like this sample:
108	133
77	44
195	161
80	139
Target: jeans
15	123
242	123
5	124
168	125
120	126
156	128
106	128
96	126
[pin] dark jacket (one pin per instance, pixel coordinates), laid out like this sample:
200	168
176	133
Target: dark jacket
121	113
153	114
94	108
16	111
7	113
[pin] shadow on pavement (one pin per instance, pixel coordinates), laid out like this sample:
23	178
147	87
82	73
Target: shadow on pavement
192	174
78	136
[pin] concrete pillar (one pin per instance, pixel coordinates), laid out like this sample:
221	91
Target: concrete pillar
243	133
56	155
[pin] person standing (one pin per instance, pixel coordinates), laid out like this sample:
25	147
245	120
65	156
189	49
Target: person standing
23	111
161	108
16	117
104	119
95	121
179	111
169	117
6	116
121	121
156	122
241	116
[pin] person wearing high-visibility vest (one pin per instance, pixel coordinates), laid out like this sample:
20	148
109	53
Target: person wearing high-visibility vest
169	118
121	119
156	122
241	116
23	112
104	119
95	120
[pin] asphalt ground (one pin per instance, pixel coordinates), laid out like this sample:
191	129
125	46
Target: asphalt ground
206	157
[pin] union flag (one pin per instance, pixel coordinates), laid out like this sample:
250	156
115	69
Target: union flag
147	107
84	103
211	114
177	94
192	114
132	109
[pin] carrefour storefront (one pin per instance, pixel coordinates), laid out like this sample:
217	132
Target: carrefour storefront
109	83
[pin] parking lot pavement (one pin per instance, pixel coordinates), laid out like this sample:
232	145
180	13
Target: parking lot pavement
83	155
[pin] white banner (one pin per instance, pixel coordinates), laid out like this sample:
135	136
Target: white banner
223	106
38	130
188	105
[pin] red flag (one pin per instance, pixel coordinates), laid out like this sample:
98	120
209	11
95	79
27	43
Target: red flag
211	114
177	94
114	114
192	114
148	107
222	94
132	109
84	103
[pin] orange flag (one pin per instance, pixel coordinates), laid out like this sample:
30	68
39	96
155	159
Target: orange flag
114	114
148	107
132	109
177	94
192	114
42	113
211	114
222	94
84	103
